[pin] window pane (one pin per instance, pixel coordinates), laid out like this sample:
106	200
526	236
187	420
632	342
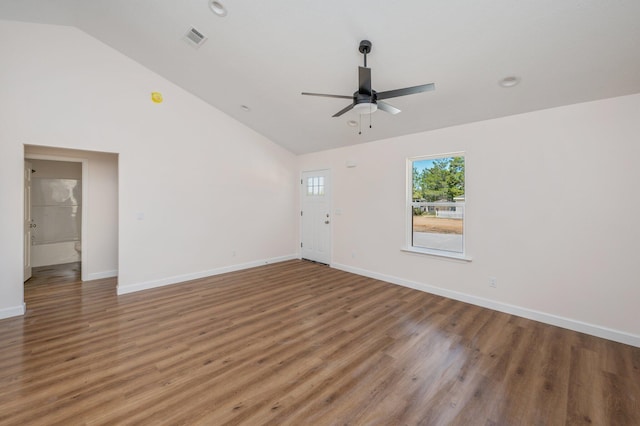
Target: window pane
438	227
315	185
437	206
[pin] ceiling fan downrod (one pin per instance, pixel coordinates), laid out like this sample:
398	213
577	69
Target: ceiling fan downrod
365	47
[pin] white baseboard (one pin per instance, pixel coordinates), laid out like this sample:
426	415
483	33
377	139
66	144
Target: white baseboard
568	323
13	311
202	274
102	275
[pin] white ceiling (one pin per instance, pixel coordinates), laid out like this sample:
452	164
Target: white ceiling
264	53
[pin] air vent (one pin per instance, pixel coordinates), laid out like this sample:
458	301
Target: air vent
195	37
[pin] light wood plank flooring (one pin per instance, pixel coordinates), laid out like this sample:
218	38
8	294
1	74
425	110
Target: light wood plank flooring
297	343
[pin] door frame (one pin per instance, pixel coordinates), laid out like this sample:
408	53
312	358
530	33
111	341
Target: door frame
85	202
27	228
329	207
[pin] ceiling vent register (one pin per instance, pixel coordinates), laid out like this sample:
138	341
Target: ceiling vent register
195	38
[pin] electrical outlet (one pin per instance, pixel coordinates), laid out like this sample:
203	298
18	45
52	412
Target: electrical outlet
493	282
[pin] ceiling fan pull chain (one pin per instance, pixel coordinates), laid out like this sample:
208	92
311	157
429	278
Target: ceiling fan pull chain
359	124
370	114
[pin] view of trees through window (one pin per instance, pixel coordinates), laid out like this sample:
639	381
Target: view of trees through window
438	203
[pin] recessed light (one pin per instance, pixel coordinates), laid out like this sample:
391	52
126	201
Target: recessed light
352	123
245	108
510	81
217	8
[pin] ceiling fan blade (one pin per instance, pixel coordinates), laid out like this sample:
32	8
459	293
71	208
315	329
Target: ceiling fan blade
364	80
406	91
327	96
342	111
388	108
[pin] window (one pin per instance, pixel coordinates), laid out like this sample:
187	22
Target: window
315	185
436	202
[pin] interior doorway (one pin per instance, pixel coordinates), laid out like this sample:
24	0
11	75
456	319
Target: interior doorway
94	206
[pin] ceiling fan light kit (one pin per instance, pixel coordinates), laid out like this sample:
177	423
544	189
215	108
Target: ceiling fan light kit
366	100
365	107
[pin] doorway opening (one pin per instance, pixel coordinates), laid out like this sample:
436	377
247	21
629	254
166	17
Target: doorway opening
73	209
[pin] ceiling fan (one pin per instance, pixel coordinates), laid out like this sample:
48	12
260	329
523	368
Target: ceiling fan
366	100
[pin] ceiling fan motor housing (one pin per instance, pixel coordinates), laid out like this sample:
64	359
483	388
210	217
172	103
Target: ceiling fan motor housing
365	98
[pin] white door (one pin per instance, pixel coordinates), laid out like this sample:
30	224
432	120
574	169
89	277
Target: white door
28	224
316	216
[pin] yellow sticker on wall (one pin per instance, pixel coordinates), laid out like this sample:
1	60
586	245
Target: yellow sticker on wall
156	97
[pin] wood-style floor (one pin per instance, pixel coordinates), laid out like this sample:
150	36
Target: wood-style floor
300	344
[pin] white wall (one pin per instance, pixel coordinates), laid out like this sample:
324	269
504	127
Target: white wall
100	208
551	203
203	185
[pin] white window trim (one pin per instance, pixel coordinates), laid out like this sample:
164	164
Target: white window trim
408	248
437	253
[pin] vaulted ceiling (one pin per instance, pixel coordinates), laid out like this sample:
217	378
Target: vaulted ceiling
263	54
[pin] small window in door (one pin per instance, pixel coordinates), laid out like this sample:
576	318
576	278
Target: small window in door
315	186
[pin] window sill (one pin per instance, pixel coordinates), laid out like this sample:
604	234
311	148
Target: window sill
437	253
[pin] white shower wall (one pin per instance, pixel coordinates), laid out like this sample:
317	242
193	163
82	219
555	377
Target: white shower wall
56	212
55	253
